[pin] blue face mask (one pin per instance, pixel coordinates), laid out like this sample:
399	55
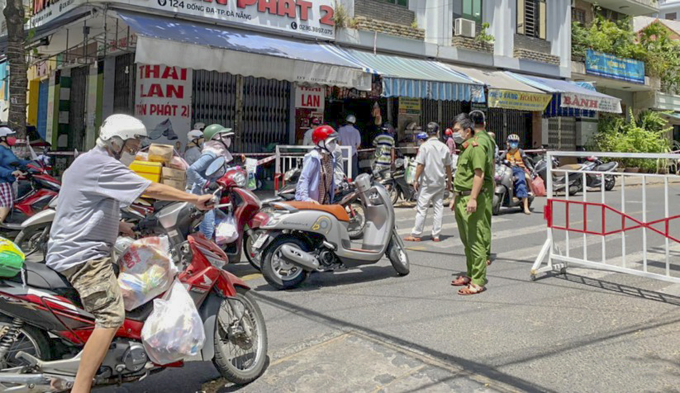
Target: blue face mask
514	145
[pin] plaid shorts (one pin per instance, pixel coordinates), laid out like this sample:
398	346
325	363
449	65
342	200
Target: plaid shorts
99	291
6	195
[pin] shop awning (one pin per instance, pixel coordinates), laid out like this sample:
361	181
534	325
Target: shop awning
416	78
194	45
571	95
507	92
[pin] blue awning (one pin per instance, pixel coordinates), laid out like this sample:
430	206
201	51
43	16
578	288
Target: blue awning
186	44
571	95
416	78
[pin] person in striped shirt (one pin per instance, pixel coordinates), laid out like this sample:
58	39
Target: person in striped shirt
384	148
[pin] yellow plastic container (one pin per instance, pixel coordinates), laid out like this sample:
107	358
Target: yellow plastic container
154	178
153	168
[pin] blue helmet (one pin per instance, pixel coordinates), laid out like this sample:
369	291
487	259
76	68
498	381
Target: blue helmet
421	135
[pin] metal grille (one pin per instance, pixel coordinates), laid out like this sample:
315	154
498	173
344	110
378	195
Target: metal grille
266	106
442	112
562	133
76	115
531	18
450	109
42	108
214	98
504	122
124	85
430	112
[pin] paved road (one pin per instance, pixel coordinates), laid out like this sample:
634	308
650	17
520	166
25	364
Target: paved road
369	330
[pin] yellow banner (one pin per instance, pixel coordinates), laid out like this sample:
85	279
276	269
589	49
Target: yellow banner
518	100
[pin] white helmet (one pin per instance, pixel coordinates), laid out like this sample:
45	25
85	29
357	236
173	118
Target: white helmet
117	129
5	131
199	126
194	135
351	119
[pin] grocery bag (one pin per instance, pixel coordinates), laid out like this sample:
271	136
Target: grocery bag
251	168
146	270
538	186
11	258
226	231
174	330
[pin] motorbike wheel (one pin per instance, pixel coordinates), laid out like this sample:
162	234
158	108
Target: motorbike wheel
251	256
609	183
497	202
398	256
33	239
279	273
30	340
355	230
393	190
240	339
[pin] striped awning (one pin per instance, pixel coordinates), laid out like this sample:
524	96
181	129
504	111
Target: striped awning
416	78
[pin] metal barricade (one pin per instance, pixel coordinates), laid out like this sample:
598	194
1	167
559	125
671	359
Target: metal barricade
597	223
289	157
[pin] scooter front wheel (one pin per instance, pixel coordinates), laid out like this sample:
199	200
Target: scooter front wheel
252	257
396	252
278	272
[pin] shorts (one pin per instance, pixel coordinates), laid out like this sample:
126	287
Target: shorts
6	195
99	291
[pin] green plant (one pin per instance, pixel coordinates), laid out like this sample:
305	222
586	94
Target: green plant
414	24
340	17
483	36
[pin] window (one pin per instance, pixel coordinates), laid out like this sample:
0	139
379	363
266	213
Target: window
403	3
468	9
672	16
531	17
578	15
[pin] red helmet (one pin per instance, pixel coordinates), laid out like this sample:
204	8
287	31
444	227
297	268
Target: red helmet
448	132
322	133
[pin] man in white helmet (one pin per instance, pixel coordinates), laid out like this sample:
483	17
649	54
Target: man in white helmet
194	146
348	135
87	223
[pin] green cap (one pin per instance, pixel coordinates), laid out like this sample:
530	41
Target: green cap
214	129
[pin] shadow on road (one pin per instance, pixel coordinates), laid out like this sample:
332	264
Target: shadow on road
621	288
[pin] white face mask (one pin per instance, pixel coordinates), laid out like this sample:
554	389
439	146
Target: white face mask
331	146
127	158
458	137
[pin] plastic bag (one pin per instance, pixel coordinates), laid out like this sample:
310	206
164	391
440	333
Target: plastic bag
11	258
411	171
226	231
146	270
251	167
538	186
174	330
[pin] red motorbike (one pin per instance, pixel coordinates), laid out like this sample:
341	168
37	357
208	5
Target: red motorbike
43	326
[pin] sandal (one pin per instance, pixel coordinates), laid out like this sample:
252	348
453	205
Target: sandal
436	239
411	239
461	281
489	262
471	289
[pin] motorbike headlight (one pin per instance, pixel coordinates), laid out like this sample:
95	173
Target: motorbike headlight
240	179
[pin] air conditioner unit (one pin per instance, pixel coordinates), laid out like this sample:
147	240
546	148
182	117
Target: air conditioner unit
464	27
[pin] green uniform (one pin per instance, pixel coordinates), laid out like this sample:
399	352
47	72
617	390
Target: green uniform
485	141
473	228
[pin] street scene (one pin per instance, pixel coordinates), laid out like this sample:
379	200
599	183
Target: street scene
339	196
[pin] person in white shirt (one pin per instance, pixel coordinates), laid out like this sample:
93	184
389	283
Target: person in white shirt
350	136
432	179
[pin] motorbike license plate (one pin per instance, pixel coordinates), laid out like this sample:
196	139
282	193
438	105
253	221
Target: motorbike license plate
260	241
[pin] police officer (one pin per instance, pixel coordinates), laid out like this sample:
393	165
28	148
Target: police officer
470	203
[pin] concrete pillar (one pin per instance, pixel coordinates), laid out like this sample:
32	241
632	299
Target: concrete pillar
502	18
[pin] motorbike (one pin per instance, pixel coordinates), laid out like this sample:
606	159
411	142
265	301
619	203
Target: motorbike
304	237
44	327
36	189
504	193
396	185
575	179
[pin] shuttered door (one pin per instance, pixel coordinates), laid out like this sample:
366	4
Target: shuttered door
76	115
565	139
450	110
124	85
214	98
430	112
266	107
43	93
519	123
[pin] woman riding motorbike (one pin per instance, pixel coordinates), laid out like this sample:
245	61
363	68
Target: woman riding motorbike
194	146
9	171
516	157
218	142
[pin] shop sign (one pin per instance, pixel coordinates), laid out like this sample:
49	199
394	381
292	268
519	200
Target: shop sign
312	18
518	100
613	67
163	102
590	103
310	98
409	106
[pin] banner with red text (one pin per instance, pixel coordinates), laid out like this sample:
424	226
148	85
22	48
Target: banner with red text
163	102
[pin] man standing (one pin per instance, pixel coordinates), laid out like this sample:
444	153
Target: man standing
348	135
470	203
486	140
87	224
433	177
384	149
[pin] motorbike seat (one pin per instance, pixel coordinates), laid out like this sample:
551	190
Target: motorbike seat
605	167
336	210
38	275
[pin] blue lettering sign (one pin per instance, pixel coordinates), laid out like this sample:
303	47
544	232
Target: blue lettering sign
609	66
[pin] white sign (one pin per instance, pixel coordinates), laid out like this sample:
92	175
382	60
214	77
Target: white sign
312	18
163	102
310	98
591	103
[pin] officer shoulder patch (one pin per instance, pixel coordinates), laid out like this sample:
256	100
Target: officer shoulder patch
475	144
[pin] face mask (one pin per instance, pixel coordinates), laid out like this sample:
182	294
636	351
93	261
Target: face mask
514	145
458	138
331	146
11	140
127	158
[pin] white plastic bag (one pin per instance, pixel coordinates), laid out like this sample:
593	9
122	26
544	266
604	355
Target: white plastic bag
410	170
251	168
174	330
226	231
146	270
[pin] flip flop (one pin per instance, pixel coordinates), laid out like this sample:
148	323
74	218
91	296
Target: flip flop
411	239
436	239
471	289
461	281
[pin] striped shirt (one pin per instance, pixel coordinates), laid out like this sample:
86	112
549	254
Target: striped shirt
384	143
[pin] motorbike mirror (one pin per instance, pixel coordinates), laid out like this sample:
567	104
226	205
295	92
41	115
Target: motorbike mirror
216	166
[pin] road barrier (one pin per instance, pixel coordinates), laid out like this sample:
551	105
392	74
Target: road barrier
289	157
605	220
